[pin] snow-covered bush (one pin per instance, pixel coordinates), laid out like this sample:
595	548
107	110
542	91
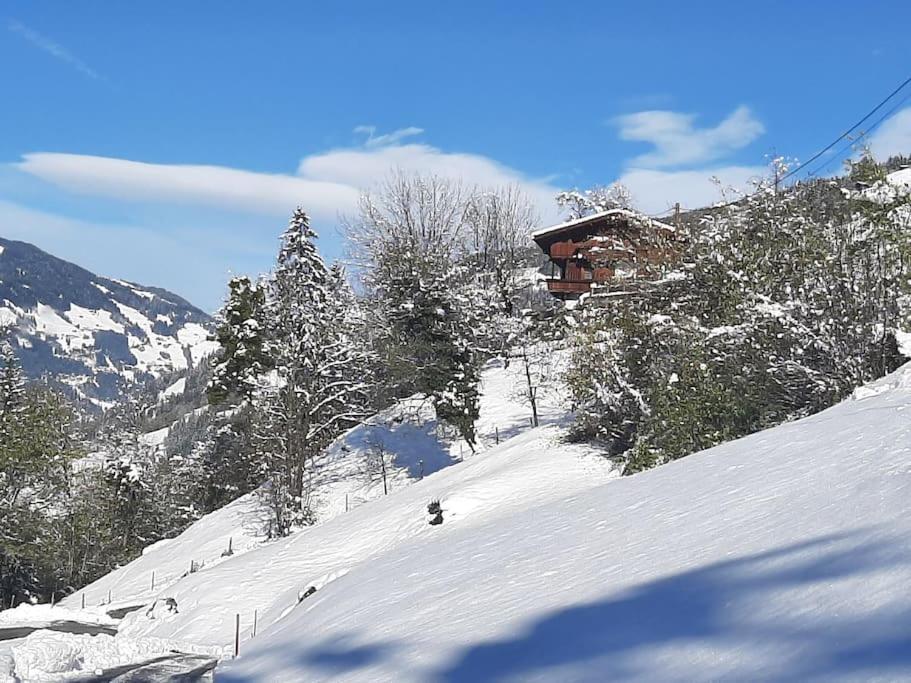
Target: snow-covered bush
784	303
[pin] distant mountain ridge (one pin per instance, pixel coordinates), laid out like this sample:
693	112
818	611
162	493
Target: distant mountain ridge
95	335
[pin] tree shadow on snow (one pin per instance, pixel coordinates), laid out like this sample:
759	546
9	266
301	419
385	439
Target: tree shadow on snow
730	607
332	657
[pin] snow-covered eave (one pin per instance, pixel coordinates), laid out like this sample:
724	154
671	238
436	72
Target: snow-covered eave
576	222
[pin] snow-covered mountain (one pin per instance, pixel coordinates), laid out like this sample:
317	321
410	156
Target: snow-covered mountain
94	334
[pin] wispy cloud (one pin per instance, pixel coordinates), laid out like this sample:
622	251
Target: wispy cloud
222	187
393	138
52	48
678	141
326	184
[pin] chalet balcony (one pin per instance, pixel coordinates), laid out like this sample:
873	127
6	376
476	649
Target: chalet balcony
563	288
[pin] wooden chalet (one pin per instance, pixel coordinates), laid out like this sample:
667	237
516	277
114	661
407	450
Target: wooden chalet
606	249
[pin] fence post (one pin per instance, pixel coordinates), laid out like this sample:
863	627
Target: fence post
153	579
236	634
498	434
83	601
254	624
109	596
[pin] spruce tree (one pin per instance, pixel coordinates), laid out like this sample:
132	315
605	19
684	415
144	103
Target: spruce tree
320	387
241	359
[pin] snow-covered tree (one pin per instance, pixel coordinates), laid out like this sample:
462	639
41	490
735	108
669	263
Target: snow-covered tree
320	386
241	359
785	301
439	264
500	223
581	203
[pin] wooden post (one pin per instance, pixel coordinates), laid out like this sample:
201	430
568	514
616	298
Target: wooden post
254	623
346	502
230	545
153	579
53	597
498	434
109	596
236	634
83	601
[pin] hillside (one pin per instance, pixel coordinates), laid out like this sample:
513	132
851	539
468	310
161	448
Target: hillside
414	446
782	555
93	334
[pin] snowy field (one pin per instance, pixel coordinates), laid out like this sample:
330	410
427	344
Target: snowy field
782	556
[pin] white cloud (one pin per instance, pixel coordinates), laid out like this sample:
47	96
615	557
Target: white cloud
218	186
678	141
363	168
893	137
52	48
326	184
655	191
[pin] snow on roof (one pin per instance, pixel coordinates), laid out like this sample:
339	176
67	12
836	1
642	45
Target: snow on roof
595	216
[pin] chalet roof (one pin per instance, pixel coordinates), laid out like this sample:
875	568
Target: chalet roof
547	234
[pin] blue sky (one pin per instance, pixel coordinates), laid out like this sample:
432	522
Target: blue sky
167	143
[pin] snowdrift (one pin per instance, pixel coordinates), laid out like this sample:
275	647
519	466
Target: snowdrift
785	555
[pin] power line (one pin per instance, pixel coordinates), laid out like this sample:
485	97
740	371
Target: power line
846	133
832	144
861	136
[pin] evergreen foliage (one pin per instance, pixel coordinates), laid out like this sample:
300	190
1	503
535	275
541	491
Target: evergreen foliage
321	383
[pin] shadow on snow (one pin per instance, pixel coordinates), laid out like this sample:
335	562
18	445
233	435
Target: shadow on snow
731	610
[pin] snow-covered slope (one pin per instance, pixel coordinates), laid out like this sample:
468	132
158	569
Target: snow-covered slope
407	436
91	333
785	555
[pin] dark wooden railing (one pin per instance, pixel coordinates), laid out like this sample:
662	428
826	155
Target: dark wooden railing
568	286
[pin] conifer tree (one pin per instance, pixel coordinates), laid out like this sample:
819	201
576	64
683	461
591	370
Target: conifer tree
241	358
320	386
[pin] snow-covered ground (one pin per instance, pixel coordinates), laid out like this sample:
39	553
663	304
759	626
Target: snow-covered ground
409	439
48	656
785	555
211	587
38	615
